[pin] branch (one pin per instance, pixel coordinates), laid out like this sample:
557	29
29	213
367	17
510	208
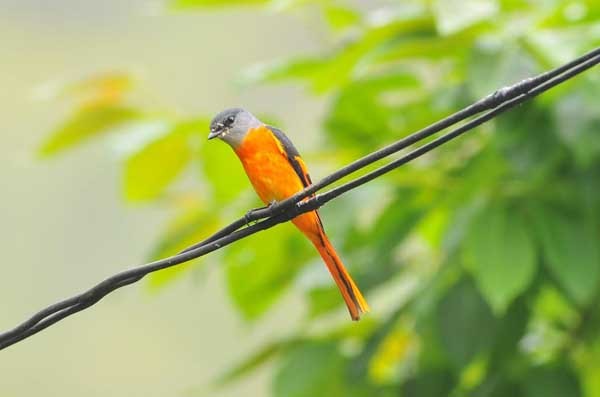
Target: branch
306	200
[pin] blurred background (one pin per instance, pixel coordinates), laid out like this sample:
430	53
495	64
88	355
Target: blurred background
480	260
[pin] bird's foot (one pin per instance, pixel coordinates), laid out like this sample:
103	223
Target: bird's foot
251	215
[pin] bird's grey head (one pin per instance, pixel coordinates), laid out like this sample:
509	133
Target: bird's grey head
232	125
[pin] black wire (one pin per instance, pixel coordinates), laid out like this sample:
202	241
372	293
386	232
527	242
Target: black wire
56	316
489	102
499	101
330	195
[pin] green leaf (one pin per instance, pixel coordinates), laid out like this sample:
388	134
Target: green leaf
186	4
552	382
365	113
554	307
427	44
512	327
397	220
466	325
569	13
223	171
527	139
578	122
475	178
394	225
496	385
352	60
150	170
340	18
492	68
570	250
432	382
250	364
501	255
360	364
311	369
283	70
85	124
323	300
260	268
191	226
344	66
455	15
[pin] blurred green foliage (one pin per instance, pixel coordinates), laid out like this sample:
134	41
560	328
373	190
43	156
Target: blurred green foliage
489	245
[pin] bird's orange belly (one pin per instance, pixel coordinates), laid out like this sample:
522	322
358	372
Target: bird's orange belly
271	176
274	179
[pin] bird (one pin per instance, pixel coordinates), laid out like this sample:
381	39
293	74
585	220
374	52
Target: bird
276	171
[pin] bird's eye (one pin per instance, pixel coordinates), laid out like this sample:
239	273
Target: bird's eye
230	120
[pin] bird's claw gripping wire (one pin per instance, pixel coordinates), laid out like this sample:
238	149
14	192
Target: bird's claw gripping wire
255	214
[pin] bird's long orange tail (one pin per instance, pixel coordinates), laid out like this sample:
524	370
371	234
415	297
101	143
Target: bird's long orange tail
352	296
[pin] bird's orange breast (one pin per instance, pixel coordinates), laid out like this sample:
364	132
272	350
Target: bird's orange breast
267	166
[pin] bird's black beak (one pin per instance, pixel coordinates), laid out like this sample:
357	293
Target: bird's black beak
214	134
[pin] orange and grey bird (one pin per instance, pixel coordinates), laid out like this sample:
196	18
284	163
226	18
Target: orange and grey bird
277	172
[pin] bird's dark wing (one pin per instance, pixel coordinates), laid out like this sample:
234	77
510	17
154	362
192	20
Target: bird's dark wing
292	155
295	160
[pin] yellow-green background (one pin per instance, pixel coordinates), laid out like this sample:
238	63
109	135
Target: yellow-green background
479	260
63	223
